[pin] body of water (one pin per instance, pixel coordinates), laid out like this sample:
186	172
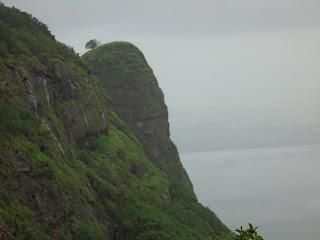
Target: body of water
277	189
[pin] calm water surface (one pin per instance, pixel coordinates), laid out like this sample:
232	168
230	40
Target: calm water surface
277	189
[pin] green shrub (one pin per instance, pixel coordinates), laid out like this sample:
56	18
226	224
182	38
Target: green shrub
85	157
5	34
3	50
29	39
178	189
99	144
87	232
20	48
151	235
248	234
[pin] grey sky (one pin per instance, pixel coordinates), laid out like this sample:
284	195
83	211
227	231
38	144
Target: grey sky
235	74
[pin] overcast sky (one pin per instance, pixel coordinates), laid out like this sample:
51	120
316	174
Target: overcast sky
235	74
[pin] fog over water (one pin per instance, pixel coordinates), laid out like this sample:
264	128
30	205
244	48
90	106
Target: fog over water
276	189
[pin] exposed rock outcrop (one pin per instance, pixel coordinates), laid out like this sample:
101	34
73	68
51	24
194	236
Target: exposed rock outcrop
67	114
52	87
136	97
70	167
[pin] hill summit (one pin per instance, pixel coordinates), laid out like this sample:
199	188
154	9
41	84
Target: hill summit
85	151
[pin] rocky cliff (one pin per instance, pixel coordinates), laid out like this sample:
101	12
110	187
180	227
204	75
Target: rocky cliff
136	97
70	167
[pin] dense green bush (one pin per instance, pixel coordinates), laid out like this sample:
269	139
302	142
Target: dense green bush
99	144
85	157
3	50
248	234
87	232
178	189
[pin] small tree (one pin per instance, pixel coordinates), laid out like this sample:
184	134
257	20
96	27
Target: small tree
92	44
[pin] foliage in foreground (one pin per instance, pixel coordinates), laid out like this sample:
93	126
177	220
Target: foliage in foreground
248	234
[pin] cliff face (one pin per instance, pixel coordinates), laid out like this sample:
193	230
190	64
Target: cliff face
70	167
136	97
45	116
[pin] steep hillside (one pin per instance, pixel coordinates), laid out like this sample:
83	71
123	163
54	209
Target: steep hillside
136	97
138	100
70	168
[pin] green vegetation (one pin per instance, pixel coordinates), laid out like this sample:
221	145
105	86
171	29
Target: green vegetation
92	44
130	61
132	197
86	232
20	219
24	35
127	65
248	234
66	172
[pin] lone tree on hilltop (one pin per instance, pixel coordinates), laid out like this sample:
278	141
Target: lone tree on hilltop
93	44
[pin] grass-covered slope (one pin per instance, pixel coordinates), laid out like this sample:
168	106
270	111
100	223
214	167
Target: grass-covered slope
70	168
136	97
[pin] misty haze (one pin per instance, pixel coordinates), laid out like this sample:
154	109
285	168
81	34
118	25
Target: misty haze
235	74
240	81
